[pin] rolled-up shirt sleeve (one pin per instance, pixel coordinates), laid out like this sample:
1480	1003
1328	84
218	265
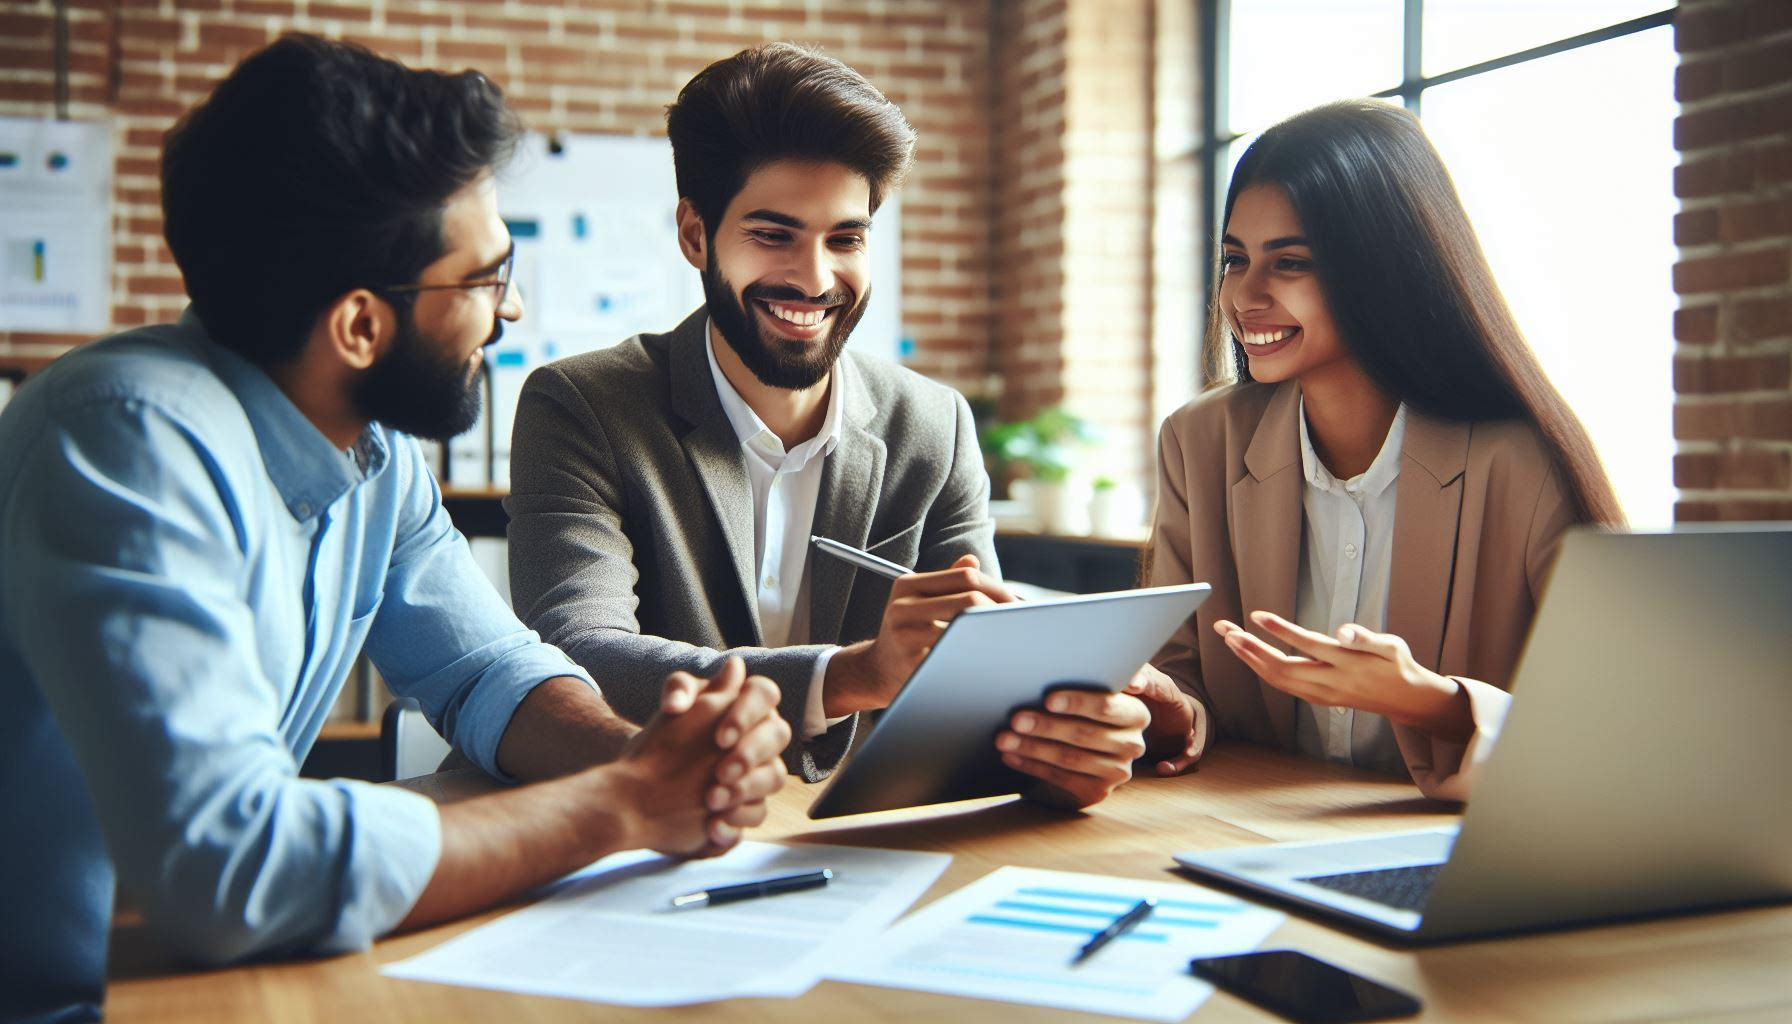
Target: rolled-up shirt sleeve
150	656
443	634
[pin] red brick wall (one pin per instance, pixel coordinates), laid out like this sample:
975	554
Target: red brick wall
1107	230
1018	217
580	65
1073	142
1031	58
1733	363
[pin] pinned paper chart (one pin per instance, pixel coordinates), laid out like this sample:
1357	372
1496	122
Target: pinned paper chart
1013	935
55	225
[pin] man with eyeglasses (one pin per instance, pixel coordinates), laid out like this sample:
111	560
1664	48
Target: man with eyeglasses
205	521
438	398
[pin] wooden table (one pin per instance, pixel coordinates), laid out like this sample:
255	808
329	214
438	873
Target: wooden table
1734	966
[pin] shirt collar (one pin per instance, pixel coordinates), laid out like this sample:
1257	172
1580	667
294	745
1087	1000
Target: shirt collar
309	472
1372	481
753	432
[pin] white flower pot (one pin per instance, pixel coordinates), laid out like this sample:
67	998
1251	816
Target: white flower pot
1056	508
1114	512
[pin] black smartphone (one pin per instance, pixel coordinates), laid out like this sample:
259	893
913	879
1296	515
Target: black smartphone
1302	988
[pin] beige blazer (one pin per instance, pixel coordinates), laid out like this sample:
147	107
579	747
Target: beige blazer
1479	510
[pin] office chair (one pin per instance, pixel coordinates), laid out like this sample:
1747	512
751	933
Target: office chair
408	745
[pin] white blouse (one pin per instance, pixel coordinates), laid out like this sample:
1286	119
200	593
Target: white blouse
1346	560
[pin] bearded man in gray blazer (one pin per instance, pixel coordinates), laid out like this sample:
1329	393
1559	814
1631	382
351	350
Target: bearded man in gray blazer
663	491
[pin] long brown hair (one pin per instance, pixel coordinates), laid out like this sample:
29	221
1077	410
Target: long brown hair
1408	285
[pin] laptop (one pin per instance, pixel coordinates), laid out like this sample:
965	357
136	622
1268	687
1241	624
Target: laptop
1645	767
935	743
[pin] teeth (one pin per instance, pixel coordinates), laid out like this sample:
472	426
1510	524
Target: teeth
1266	337
800	317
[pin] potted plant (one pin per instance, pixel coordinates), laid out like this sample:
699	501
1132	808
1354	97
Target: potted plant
1114	511
1104	508
1044	447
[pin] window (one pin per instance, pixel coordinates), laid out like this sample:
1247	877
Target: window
1555	118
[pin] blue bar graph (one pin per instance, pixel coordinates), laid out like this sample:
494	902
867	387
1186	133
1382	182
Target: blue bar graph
1120	900
1075	912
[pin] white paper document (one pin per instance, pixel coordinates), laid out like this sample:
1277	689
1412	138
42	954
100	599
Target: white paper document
609	934
1013	933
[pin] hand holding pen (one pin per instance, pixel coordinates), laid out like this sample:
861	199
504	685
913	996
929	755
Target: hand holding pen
866	675
1079	746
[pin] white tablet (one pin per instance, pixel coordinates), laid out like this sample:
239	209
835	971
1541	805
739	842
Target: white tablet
935	743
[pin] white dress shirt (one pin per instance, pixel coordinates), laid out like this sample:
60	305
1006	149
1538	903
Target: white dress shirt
786	488
1346	560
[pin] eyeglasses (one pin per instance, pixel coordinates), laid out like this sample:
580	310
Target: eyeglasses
500	284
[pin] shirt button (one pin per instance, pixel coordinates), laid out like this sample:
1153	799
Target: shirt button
304	510
770	582
1350	551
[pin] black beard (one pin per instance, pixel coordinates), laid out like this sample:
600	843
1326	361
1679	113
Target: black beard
778	362
415	391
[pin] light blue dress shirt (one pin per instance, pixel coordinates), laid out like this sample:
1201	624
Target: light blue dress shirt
190	569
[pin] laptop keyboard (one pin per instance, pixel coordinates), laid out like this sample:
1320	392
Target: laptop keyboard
1405	888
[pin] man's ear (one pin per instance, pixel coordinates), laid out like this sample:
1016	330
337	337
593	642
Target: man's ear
693	238
358	328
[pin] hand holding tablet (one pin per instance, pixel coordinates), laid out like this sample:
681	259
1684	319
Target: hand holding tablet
937	740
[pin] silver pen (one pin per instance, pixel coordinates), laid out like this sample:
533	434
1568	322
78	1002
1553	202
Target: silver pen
862	559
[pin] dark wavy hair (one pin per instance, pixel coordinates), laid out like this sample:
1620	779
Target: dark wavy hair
1407	283
781	101
315	168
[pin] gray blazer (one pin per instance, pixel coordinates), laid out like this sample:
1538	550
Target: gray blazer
631	519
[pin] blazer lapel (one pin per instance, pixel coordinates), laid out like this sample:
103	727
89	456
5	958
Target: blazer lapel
1266	516
851	484
714	453
1428	508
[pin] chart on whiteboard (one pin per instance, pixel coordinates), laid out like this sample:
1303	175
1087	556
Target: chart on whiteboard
597	245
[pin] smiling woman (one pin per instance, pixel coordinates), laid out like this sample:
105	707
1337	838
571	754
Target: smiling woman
1569	187
1397	266
1276	307
1384	462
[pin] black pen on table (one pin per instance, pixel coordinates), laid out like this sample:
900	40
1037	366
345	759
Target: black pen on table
1119	926
862	559
718	895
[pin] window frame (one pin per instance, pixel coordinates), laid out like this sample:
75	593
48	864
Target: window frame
1217	135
